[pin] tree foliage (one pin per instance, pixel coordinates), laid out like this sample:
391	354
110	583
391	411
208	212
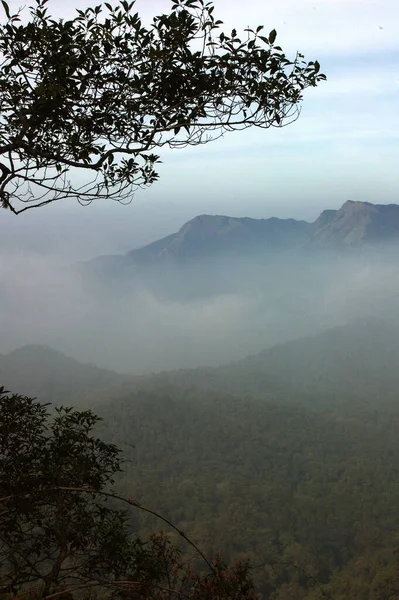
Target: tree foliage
59	534
85	103
43	533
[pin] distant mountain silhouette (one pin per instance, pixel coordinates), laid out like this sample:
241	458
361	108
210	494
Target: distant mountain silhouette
49	375
207	235
357	223
354	224
360	360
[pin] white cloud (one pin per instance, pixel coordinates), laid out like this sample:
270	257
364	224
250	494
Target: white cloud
365	82
323	26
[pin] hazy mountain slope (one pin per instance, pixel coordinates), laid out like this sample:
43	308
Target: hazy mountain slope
51	376
360	360
262	478
214	235
326	217
207	235
354	224
357	223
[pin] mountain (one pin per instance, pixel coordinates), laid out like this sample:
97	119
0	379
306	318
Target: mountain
359	360
266	480
306	472
354	224
298	470
51	376
208	236
357	223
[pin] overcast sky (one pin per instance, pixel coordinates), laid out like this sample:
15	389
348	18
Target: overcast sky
344	146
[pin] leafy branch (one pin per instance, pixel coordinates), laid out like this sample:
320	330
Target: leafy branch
86	104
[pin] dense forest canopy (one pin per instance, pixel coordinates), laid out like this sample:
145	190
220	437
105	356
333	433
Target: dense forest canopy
301	480
58	534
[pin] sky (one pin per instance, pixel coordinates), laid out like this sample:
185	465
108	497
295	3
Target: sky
345	144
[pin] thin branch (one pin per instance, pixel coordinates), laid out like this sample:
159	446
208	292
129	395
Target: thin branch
123	583
130	501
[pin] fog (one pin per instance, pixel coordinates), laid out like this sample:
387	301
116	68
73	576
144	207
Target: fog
208	313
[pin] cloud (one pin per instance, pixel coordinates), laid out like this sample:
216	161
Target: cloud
142	328
328	27
343	146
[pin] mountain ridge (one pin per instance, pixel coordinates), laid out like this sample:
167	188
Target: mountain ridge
355	224
46	373
360	357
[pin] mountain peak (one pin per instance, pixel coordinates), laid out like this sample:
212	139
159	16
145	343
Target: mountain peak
357	223
356	206
208	225
40	371
354	224
38	352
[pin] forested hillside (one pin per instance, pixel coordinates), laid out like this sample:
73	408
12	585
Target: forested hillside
357	361
278	483
51	376
354	365
289	458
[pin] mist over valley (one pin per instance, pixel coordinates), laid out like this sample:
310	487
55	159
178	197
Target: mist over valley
248	371
219	289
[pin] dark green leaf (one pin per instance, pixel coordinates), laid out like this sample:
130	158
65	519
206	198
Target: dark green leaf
272	36
6	8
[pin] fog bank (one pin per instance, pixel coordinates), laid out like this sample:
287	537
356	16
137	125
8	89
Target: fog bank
207	314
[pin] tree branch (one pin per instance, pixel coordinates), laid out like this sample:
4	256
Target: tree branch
130	501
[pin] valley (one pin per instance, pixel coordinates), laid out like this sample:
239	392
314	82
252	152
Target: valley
287	458
255	396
